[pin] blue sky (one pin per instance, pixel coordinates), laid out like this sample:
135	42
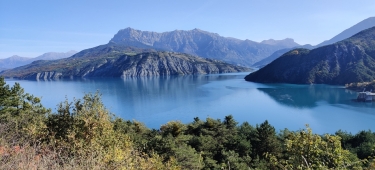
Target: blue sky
30	28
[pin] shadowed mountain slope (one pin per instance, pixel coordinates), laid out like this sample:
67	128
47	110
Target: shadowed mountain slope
347	61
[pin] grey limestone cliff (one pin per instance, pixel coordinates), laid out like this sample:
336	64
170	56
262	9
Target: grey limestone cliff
202	43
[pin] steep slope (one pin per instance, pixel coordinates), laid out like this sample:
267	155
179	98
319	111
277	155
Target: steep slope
16	61
202	43
365	24
111	61
350	60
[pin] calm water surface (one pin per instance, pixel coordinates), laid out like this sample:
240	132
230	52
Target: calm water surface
157	100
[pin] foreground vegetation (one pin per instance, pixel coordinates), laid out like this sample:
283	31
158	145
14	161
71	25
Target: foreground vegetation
84	135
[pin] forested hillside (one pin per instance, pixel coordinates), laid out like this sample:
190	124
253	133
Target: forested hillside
83	134
347	61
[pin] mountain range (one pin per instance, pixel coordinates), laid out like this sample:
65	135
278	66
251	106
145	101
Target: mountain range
16	61
347	61
111	60
204	44
365	24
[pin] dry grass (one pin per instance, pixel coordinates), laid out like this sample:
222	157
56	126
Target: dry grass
39	158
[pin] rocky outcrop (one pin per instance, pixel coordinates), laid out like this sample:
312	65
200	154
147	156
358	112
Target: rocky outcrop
350	60
162	64
44	76
118	64
202	43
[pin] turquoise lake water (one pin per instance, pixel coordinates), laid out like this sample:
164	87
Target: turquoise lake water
157	100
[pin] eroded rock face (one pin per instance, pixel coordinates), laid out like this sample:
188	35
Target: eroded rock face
123	65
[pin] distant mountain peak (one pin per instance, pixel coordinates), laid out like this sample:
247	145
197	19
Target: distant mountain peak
16	61
287	42
16	56
72	51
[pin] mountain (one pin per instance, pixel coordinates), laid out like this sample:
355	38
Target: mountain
121	61
276	55
55	56
16	61
286	43
269	59
202	43
347	61
365	24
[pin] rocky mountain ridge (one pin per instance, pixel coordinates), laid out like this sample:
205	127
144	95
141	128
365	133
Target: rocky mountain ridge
202	43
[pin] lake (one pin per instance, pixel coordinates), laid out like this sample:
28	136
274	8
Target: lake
157	100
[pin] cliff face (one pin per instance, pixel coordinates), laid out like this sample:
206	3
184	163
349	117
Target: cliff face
350	60
202	43
119	64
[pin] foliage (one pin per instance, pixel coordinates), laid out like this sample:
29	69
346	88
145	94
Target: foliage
305	150
360	86
21	114
83	134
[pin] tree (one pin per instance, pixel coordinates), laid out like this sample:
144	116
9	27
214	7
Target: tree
305	150
265	141
21	114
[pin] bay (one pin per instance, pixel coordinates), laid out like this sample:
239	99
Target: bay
157	100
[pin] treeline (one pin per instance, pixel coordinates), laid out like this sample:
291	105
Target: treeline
83	134
361	86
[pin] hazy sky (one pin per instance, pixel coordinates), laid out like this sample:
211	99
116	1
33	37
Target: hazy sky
30	28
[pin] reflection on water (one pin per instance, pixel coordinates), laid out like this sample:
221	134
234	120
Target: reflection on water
157	100
308	96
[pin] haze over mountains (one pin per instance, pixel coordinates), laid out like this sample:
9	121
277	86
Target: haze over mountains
347	61
204	44
16	61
